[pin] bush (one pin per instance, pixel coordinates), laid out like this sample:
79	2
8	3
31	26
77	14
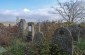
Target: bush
80	47
18	48
46	48
4	41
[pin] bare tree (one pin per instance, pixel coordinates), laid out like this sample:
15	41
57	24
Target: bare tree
72	11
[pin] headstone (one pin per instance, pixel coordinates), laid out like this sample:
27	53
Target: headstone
38	38
31	31
75	31
22	27
82	33
63	38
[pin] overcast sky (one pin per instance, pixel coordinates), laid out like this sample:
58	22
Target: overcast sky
31	10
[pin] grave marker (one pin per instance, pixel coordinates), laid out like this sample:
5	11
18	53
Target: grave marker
63	38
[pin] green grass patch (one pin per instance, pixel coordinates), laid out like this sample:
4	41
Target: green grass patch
2	50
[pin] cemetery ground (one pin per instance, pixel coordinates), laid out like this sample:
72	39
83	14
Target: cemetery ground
16	45
59	37
19	47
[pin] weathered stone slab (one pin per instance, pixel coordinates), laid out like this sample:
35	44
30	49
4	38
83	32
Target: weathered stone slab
63	38
82	33
21	27
31	31
75	31
38	38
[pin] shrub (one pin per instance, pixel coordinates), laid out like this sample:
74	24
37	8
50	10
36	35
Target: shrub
46	48
80	47
18	48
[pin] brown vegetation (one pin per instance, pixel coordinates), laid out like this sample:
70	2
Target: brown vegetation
6	33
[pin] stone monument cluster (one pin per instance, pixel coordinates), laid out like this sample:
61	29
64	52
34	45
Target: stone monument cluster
64	36
27	32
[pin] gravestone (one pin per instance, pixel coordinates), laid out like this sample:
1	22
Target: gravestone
21	27
75	31
38	37
63	38
82	33
30	31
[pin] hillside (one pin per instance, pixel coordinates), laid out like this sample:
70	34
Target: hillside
7	23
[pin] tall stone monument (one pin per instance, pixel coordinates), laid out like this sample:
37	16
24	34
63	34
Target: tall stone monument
38	38
21	27
31	31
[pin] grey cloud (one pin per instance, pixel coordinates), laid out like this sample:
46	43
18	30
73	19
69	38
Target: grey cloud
35	15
